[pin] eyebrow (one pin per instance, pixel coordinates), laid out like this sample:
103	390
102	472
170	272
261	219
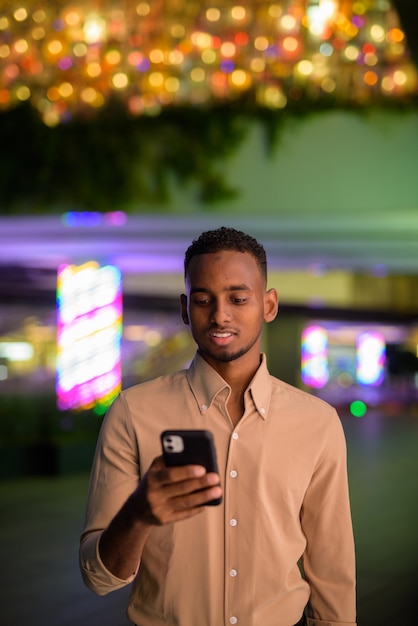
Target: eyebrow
242	287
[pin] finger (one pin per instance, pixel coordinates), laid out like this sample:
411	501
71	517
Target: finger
167	475
195	499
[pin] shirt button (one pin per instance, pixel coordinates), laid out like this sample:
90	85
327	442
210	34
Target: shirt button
233	620
233	573
204	407
233	473
262	411
234	435
233	522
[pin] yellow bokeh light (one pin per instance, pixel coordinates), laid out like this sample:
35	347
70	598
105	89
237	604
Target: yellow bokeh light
38	33
371	59
51	118
143	8
66	90
156	56
156	79
397	49
198	74
400	77
351	31
228	49
80	49
172	84
238	13
274	98
20	14
120	80
4	51
377	32
275	10
328	85
93	69
113	57
199	53
175	57
88	95
288	22
39	16
359	8
177	31
201	40
23	93
261	43
351	53
258	65
21	46
55	47
209	57
388	84
94	28
240	79
213	14
304	67
290	44
72	18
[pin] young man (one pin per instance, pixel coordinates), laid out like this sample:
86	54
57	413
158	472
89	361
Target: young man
282	465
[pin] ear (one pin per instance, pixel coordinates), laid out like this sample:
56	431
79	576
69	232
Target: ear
183	304
271	305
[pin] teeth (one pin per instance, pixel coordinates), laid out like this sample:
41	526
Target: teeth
222	335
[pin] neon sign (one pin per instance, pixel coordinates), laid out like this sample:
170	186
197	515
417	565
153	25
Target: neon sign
89	331
315	372
371	357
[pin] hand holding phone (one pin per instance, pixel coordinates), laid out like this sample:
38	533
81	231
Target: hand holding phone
190	447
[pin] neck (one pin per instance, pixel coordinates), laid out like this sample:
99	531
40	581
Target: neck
238	373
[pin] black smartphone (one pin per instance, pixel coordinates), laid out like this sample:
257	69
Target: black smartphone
190	447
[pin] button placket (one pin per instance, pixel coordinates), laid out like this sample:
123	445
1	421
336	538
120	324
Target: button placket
232	522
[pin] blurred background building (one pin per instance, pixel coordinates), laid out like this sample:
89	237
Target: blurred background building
126	129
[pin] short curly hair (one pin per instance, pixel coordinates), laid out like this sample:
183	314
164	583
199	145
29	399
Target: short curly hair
224	238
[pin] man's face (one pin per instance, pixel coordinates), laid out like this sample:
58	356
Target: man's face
226	305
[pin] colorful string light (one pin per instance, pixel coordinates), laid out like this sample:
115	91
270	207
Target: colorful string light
70	58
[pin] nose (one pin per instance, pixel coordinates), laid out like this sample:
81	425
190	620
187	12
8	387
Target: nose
220	313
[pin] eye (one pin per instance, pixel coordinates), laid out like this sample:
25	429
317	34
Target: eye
201	301
238	300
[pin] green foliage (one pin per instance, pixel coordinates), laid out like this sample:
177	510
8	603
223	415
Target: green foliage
113	161
34	418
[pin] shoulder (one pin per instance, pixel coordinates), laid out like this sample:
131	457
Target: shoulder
302	407
168	384
285	390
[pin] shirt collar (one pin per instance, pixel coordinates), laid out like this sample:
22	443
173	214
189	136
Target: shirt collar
206	383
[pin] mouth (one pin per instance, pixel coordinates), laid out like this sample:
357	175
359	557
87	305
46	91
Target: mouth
221	337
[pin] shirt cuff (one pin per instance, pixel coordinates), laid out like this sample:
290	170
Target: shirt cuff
95	574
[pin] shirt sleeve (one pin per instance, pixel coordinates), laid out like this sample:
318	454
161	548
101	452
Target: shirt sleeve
114	476
329	558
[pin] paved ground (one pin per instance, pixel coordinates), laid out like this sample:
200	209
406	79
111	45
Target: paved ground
41	519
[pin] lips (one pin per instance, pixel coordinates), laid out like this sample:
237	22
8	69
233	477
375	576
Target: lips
221	336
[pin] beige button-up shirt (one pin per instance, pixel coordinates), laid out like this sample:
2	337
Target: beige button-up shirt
283	472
